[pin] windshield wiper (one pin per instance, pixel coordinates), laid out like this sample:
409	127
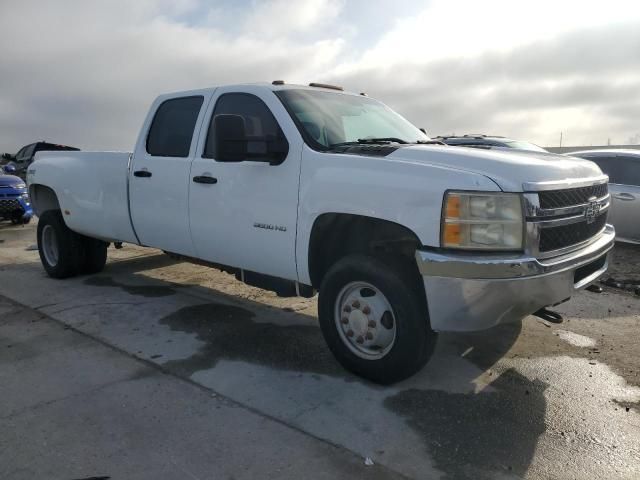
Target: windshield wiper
430	142
366	141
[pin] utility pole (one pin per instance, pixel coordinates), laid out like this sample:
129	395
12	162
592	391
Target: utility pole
560	139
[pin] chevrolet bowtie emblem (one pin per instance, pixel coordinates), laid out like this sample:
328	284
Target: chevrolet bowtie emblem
592	211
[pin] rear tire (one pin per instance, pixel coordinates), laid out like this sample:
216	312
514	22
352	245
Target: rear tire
94	255
59	247
386	337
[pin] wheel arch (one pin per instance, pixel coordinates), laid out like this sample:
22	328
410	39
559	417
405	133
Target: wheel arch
43	198
335	235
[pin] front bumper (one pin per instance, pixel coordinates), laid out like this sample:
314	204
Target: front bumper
467	292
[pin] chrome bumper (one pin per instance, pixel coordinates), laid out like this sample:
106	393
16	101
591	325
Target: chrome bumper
467	291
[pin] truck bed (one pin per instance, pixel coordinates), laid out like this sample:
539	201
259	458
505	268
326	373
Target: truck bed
92	190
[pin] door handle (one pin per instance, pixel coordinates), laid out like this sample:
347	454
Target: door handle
205	179
142	173
624	196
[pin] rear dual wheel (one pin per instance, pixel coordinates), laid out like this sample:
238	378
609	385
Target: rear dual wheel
65	253
373	315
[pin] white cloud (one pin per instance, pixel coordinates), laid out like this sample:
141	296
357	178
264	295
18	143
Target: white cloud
278	18
84	73
466	28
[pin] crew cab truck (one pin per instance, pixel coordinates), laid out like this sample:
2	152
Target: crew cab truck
300	189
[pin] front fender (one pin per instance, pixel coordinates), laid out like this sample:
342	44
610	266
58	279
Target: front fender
409	194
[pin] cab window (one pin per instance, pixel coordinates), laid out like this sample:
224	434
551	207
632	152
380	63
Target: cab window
172	127
259	123
26	153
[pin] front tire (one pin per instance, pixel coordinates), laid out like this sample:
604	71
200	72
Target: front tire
59	247
374	318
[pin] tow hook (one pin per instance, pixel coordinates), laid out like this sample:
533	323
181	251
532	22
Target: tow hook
549	315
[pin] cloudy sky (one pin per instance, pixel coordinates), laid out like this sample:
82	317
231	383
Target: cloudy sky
84	72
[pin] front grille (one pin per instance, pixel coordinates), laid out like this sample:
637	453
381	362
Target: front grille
9	205
571	196
554	238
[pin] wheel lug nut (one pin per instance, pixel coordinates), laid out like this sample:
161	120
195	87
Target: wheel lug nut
366	310
344	320
347	308
360	340
369	336
356	304
372	324
350	333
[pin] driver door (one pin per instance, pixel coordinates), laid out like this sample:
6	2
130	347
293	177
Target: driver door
245	214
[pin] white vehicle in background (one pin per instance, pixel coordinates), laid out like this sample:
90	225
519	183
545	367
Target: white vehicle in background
300	189
623	168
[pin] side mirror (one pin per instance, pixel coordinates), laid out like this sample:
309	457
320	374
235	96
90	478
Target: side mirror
423	130
9	169
231	141
277	149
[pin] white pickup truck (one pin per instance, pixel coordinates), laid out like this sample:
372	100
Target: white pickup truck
299	189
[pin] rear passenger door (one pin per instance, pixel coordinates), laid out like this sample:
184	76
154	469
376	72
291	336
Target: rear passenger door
159	174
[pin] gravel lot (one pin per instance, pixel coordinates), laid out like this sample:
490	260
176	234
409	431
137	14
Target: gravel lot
188	358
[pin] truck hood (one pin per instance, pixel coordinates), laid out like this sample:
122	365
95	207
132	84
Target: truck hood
509	169
10	181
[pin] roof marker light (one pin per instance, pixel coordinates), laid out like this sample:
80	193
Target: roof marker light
324	85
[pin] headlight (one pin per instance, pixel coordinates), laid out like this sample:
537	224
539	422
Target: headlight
20	186
482	221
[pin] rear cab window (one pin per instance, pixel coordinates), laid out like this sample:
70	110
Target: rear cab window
172	127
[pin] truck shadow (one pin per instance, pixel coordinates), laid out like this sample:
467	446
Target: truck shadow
481	434
467	433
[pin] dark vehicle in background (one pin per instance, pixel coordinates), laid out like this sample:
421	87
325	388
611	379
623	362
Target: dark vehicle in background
488	141
24	157
623	168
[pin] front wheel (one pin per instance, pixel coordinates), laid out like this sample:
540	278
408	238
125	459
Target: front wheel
373	315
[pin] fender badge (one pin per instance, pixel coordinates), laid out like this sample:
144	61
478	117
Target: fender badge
267	226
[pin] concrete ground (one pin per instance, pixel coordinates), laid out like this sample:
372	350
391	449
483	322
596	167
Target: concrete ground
161	369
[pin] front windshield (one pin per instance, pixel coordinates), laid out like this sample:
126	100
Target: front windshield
330	119
525	146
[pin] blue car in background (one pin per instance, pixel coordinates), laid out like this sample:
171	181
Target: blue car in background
14	198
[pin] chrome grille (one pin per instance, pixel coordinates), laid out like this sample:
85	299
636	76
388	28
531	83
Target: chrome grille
555	238
572	196
561	220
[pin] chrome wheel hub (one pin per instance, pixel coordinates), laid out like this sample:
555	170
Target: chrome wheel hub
365	320
50	245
